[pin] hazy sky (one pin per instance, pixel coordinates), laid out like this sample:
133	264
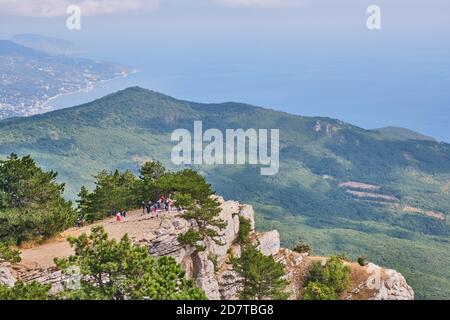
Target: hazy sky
312	57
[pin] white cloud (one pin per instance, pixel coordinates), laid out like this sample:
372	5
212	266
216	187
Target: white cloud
55	8
263	3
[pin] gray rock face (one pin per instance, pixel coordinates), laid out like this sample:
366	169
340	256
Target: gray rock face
205	275
393	285
6	276
207	268
269	243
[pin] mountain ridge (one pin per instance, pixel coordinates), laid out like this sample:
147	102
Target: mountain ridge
317	195
49	45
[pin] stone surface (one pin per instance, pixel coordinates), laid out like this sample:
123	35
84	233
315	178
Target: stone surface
393	285
6	276
269	242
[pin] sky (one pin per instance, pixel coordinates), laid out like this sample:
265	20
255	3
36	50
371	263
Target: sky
308	57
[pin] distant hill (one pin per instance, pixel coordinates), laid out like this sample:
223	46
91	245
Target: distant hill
8	47
48	45
30	78
403	134
340	187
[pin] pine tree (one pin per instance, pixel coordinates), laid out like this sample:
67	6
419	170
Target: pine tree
150	173
114	192
31	202
206	217
260	277
85	205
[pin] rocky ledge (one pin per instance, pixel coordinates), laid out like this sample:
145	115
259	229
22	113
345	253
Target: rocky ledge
211	269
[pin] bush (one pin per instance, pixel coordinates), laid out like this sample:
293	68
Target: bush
335	276
362	261
9	255
303	247
319	291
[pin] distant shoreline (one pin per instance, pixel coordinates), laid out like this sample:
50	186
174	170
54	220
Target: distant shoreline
86	89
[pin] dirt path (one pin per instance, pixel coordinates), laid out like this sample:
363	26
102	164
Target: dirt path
137	226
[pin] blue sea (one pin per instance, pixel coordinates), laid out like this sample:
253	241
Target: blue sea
396	84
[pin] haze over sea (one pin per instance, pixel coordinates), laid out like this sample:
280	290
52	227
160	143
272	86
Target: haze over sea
315	60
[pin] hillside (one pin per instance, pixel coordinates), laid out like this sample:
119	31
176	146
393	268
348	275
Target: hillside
46	44
160	235
403	134
340	187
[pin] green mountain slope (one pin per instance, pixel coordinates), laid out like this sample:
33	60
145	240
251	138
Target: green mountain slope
341	188
403	134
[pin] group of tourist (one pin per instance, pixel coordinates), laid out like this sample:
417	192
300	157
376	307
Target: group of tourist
163	204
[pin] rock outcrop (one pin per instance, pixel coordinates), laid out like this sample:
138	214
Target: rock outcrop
6	276
393	285
212	271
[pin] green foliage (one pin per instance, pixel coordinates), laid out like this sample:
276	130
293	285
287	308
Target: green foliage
113	192
362	261
245	227
215	260
259	277
194	194
9	255
121	270
337	274
319	291
303	247
206	216
329	281
185	182
150	173
192	238
84	203
31	202
25	291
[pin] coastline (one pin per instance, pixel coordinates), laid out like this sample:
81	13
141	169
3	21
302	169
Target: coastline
88	88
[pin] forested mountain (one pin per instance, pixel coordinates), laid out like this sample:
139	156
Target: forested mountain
341	188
